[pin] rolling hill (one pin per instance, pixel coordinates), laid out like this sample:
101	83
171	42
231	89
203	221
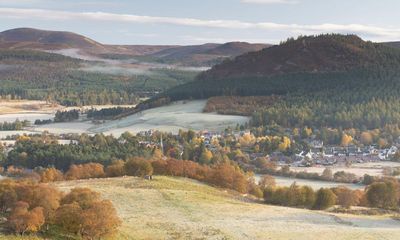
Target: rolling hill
179	208
195	55
326	53
204	55
36	39
305	64
392	44
28	38
335	81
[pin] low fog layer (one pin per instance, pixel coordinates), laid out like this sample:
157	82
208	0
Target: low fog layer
116	70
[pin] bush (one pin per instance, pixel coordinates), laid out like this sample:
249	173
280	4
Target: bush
383	194
346	197
138	167
116	169
325	198
85	171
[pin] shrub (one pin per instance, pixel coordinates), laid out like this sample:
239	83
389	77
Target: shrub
139	167
383	194
325	198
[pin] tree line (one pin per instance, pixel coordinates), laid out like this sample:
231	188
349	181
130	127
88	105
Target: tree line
379	193
383	193
107	113
66	116
14	126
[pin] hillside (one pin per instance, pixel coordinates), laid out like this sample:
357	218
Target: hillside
28	38
334	81
392	44
236	48
325	53
204	55
304	64
37	39
195	55
38	75
177	208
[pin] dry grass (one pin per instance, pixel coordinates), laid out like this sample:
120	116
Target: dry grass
26	106
176	208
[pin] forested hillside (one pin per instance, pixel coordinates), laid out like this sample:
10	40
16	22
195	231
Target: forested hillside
29	74
323	81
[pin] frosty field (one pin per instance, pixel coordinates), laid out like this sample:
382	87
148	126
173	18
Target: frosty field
171	118
178	208
315	184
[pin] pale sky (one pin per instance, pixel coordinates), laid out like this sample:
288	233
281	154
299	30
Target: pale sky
202	21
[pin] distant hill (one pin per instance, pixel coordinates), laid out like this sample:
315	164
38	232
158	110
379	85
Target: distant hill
36	39
24	38
313	57
205	55
196	55
236	48
337	81
326	53
392	44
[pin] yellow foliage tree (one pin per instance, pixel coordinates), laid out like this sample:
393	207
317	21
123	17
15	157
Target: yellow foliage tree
206	156
247	139
285	144
366	138
346	140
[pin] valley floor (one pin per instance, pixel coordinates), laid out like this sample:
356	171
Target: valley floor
178	208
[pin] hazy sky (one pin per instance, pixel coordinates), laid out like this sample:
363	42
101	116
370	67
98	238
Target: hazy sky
201	21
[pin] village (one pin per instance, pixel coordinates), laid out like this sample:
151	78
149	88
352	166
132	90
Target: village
317	155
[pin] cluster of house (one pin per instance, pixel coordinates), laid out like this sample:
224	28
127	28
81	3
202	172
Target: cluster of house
208	139
331	155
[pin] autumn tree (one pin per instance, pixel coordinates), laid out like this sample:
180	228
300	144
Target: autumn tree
85	171
327	175
383	194
50	175
138	167
116	169
284	144
366	138
159	166
157	153
346	197
346	140
306	132
307	197
255	190
99	220
382	143
68	218
48	198
206	156
83	196
8	195
267	181
22	220
228	176
325	198
95	222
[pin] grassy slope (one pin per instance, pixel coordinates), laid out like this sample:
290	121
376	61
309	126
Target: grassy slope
176	208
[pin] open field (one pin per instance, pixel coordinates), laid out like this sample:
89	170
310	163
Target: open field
373	169
177	208
171	118
26	106
315	184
